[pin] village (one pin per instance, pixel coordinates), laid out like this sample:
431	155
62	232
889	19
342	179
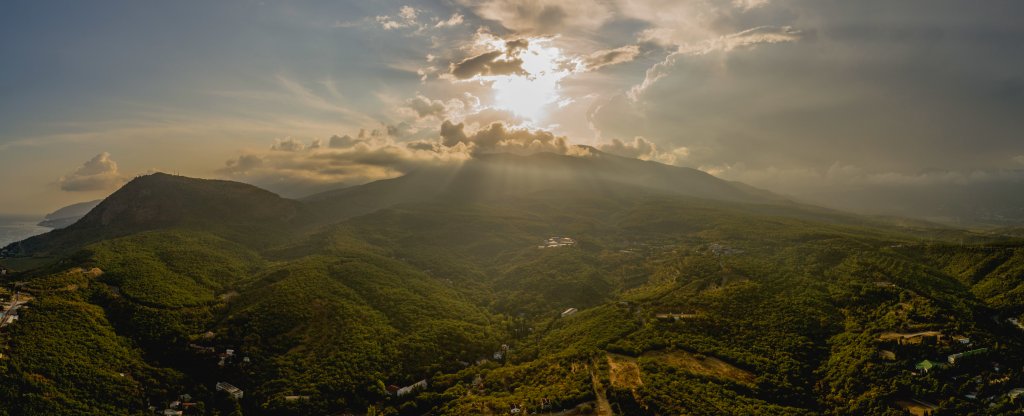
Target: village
975	370
554	242
11	303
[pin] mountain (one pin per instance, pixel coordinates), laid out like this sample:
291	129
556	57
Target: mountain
161	201
68	215
489	177
666	291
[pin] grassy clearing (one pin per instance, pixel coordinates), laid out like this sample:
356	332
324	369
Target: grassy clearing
624	372
701	365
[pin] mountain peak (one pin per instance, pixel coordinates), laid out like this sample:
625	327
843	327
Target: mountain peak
162	200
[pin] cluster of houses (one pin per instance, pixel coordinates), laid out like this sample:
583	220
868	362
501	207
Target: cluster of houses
183	405
926	366
9	309
228	357
931	338
557	242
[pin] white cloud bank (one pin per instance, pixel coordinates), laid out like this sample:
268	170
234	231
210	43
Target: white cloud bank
97	174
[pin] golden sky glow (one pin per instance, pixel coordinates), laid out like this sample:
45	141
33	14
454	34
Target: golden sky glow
803	98
530	95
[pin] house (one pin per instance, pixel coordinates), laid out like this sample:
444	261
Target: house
202	349
928	365
917	407
954	358
962	340
233	391
667	317
926	337
173	412
1015	393
887	355
568	312
296	398
412	388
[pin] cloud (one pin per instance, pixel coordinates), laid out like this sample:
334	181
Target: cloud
341	141
98	174
643	149
288	144
608	57
425	107
487	116
487	64
295	168
746	39
406	18
498	138
749	4
455	20
347	161
807	85
542	16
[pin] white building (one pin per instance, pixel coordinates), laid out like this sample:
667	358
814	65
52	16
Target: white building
419	385
235	392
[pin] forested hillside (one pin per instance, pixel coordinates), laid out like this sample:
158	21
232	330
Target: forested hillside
550	299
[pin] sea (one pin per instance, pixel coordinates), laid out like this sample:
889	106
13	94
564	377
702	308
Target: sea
19	227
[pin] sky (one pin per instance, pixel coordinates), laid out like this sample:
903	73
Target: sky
850	104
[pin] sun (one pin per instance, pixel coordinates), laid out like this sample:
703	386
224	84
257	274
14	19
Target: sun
530	95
